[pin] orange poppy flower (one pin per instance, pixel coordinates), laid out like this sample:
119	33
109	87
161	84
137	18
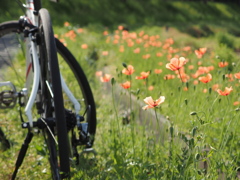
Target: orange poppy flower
236	103
105	78
133	35
151	103
169	76
200	52
105	33
84	46
191	67
210	68
183	76
229	76
150	88
80	30
129	70
237	75
137	50
115	41
120	27
226	92
125	34
171	50
121	49
105	53
159	54
169	56
144	75
169	40
201	70
223	64
98	73
130	43
205	79
205	90
176	64
139	40
66	24
71	34
199	63
146	45
126	85
141	33
166	46
116	36
215	87
145	37
152	38
187	48
195	82
157	71
185	89
146	56
158	44
63	41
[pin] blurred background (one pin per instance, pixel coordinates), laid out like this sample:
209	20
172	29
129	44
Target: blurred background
181	14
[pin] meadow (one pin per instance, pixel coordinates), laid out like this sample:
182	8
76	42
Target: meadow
201	102
192	73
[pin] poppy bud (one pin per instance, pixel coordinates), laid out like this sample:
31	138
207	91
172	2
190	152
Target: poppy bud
210	90
193	113
138	90
112	81
124	65
223	76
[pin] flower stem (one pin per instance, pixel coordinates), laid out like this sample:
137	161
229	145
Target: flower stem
131	118
180	75
116	114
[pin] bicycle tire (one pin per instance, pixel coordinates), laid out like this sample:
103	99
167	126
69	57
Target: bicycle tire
37	4
50	73
83	85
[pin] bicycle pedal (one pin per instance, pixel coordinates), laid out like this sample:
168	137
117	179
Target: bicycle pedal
8	95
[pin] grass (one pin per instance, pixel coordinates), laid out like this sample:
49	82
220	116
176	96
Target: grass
202	139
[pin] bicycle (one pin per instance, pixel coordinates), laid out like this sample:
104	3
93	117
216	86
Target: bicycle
54	91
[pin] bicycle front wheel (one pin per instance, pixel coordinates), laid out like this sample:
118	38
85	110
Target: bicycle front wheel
51	96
